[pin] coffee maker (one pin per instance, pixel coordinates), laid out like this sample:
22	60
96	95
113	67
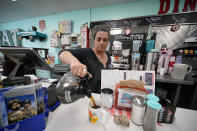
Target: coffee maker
120	57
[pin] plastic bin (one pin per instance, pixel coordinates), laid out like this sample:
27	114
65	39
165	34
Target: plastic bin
36	123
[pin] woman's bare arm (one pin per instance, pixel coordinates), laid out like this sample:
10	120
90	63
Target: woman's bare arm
77	68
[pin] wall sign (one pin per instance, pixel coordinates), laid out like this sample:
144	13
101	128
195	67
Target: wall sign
9	38
165	6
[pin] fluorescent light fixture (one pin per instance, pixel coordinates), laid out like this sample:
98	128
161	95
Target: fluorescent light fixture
13	0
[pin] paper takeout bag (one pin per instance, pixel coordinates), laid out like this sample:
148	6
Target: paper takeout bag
125	90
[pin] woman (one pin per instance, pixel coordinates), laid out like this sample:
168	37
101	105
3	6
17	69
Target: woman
90	60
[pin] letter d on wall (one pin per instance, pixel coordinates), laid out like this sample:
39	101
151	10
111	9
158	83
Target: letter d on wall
167	6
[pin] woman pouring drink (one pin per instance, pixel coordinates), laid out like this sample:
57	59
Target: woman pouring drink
90	61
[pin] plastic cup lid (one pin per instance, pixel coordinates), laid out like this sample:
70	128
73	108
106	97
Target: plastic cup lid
107	91
152	97
153	104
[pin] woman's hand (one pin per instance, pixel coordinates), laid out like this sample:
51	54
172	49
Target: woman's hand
79	69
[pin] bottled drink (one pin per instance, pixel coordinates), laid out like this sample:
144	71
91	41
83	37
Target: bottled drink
179	57
171	64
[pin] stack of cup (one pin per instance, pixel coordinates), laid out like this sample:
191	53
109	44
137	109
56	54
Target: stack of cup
162	71
152	97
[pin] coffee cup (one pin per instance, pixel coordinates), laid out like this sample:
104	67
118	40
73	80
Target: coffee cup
162	71
180	70
96	114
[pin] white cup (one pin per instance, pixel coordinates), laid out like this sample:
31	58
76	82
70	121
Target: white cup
180	70
141	67
162	71
96	115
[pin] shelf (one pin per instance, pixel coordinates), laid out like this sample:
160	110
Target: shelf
168	79
192	46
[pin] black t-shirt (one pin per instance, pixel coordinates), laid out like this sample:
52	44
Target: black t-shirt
87	57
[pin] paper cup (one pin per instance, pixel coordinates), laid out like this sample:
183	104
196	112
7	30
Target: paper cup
162	71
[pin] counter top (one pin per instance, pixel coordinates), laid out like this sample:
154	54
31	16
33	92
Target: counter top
74	117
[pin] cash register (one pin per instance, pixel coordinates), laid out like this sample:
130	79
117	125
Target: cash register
23	59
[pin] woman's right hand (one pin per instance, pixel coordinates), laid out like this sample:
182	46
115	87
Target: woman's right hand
79	69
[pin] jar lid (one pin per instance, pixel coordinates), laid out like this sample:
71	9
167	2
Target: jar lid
107	91
152	97
153	104
138	100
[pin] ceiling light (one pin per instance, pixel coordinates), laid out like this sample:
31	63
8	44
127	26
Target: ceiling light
13	0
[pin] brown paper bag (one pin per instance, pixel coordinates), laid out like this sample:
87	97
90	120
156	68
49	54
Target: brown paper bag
135	84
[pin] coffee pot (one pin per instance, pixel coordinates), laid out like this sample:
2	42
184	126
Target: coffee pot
71	88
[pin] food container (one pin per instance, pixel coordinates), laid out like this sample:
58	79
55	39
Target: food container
138	110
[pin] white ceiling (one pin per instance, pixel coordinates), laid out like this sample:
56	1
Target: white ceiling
24	9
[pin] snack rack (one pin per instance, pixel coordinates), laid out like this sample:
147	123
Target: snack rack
35	123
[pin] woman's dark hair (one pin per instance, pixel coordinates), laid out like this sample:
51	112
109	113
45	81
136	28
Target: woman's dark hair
103	28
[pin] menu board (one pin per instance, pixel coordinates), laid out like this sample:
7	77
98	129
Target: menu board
156	20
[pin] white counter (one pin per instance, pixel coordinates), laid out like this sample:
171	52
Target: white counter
74	117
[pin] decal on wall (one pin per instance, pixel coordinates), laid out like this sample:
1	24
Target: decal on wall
42	25
16	40
65	27
128	30
9	38
165	6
